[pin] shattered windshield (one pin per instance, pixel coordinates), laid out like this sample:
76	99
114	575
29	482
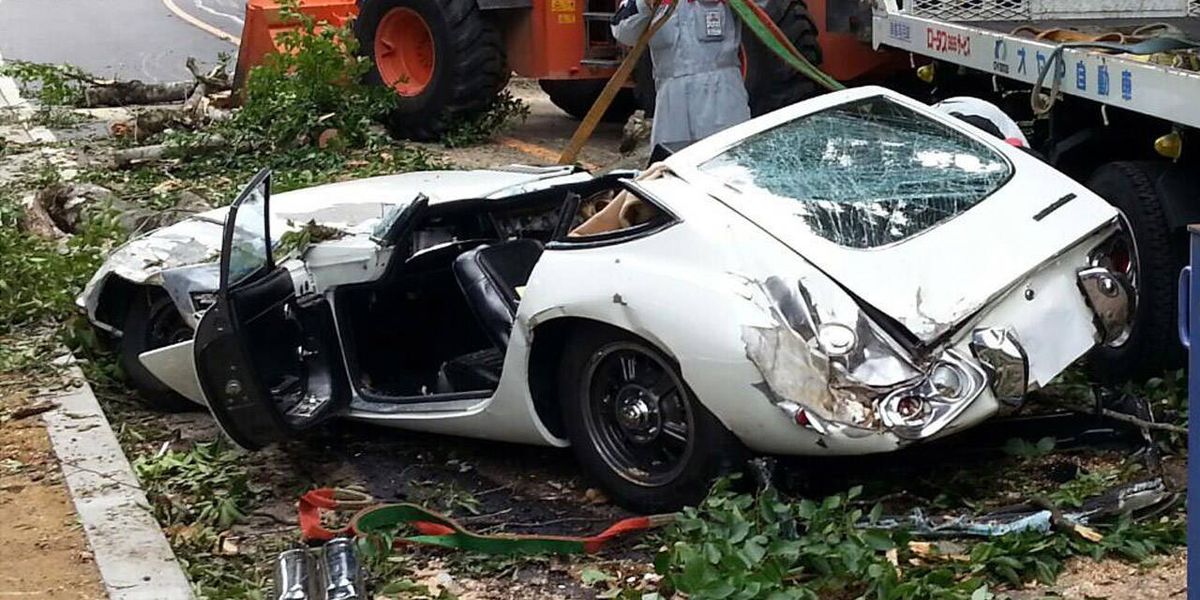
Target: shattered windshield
866	173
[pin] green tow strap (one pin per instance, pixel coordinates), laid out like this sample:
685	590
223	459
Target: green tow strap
764	28
390	520
449	534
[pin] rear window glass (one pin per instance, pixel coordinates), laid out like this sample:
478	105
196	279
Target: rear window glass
866	173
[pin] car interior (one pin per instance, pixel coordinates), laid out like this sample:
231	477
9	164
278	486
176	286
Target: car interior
436	325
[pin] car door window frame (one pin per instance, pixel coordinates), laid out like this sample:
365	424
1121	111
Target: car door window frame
664	220
262	177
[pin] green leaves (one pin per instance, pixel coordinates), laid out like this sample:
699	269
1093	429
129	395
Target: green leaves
766	548
477	128
39	278
739	546
592	576
309	93
206	485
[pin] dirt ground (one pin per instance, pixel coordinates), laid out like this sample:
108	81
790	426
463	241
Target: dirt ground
43	550
1114	579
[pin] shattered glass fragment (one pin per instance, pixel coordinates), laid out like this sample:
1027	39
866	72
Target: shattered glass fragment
866	173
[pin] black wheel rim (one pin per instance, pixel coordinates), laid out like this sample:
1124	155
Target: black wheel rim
165	326
638	415
1120	255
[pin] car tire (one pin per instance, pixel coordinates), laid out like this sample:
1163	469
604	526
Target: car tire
770	82
152	322
468	67
603	445
576	96
1158	255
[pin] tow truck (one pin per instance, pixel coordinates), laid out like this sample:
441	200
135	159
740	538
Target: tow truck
1110	91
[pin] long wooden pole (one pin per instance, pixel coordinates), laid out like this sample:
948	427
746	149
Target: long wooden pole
618	79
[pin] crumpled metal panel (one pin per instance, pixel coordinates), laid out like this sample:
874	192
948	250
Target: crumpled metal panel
838	387
866	173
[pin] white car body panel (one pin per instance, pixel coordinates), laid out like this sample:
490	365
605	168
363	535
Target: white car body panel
736	291
173	366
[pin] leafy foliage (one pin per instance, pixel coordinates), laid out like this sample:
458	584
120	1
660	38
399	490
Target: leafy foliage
763	547
1168	399
1085	485
478	128
39	278
54	87
1024	449
312	86
50	85
206	485
295	243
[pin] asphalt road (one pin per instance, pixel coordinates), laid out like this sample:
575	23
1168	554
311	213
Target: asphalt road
127	39
150	40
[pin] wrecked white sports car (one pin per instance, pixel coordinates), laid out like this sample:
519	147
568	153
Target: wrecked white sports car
847	275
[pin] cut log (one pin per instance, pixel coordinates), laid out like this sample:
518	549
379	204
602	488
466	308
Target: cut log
125	93
128	157
150	121
125	158
216	79
35	220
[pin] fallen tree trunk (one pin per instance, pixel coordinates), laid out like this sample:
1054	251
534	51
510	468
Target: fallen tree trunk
128	157
124	93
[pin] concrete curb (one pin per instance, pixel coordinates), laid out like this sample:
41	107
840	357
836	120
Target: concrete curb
132	554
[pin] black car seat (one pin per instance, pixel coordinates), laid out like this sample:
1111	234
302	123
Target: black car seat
490	276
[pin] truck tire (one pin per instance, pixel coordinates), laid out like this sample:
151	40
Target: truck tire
770	82
443	58
576	96
1155	255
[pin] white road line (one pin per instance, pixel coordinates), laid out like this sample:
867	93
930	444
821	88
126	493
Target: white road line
193	21
212	11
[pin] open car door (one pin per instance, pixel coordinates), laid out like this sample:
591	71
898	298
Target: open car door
267	362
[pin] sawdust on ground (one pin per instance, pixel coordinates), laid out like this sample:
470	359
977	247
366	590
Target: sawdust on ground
43	550
1085	579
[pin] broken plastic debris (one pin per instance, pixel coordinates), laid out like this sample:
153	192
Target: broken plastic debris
1130	498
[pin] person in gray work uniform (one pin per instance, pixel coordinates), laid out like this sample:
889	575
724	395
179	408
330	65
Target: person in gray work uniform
697	77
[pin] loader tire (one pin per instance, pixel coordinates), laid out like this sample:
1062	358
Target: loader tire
770	82
443	57
1156	255
576	96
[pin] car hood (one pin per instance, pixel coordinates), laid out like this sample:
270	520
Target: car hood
349	206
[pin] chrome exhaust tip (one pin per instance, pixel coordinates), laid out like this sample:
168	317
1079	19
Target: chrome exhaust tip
296	576
341	573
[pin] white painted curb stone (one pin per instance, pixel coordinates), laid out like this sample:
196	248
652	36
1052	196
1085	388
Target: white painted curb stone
131	552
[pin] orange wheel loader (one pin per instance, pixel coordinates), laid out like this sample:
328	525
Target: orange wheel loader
452	57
